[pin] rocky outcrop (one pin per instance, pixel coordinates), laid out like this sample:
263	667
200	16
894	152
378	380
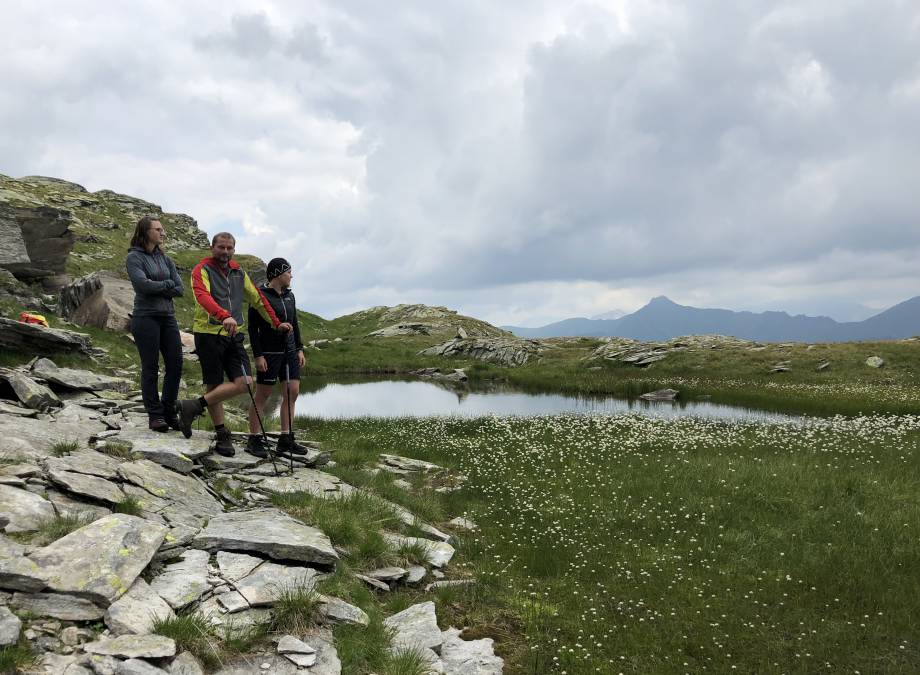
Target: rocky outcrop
506	351
35	239
99	299
34	339
642	354
422	320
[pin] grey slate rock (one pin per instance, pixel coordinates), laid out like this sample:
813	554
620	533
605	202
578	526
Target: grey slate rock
57	605
183	582
415	627
138	667
23	510
90	462
133	647
88	486
10	627
468	657
268	531
234	566
268	580
100	561
137	610
185	664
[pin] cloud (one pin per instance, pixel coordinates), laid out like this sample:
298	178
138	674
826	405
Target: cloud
541	159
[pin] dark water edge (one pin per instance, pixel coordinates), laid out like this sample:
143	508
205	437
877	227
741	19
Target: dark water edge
350	397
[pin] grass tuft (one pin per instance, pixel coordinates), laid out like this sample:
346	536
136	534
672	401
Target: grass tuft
16	658
117	449
406	662
56	527
129	505
294	609
62	448
193	633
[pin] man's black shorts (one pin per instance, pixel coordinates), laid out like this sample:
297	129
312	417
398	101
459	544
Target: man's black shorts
220	354
280	365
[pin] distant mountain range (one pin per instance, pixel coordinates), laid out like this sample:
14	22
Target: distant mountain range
662	319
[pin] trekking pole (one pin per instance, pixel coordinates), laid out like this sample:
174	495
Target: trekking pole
288	352
244	358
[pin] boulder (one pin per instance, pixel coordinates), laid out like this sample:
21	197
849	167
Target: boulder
269	532
99	299
31	393
437	553
24	510
875	362
336	610
10	625
71	378
35	339
100	561
415	628
137	610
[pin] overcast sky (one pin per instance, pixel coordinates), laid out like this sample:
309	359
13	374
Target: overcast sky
518	161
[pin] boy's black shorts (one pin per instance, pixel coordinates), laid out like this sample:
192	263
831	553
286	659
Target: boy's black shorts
277	372
220	354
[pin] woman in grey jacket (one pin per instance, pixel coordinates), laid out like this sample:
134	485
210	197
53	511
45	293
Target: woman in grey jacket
153	322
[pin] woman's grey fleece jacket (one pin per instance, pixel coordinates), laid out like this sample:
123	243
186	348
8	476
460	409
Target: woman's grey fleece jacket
156	282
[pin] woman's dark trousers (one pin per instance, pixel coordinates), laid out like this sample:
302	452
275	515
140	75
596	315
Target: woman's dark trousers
155	335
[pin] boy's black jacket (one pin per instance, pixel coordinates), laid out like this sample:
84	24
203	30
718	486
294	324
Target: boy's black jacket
262	336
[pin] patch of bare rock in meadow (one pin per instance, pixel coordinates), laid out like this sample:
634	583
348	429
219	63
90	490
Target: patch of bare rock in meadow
203	538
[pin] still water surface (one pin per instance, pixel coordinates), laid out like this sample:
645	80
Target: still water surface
394	398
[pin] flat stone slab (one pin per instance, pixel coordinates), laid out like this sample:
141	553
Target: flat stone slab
58	605
232	602
288	644
317	483
10	626
415	627
133	647
267	531
469	657
29	392
409	464
100	561
138	667
182	583
72	378
137	610
337	610
170	450
234	566
17	572
8	409
88	486
24	510
187	500
269	580
66	505
437	553
241	460
185	664
90	462
327	658
37	436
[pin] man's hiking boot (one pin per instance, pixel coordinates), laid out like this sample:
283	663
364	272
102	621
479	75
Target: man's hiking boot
256	446
186	412
158	424
173	422
286	443
224	444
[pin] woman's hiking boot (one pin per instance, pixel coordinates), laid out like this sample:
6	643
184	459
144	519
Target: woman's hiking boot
256	446
286	443
224	445
186	412
158	424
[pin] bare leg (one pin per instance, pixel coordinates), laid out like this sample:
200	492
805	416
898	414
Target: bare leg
217	394
263	391
289	399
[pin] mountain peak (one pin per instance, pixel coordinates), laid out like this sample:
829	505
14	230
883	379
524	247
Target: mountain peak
661	301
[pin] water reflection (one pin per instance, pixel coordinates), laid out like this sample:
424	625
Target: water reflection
396	398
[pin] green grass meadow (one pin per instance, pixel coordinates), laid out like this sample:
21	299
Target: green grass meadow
637	545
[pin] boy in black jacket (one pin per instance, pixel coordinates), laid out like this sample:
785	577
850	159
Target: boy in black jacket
279	357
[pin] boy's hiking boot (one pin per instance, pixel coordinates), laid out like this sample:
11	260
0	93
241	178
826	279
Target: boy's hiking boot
186	412
172	421
256	447
158	424
286	443
224	444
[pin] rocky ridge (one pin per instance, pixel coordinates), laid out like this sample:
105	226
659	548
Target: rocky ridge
201	537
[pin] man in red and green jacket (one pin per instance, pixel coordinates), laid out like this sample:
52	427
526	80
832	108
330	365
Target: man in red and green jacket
221	286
